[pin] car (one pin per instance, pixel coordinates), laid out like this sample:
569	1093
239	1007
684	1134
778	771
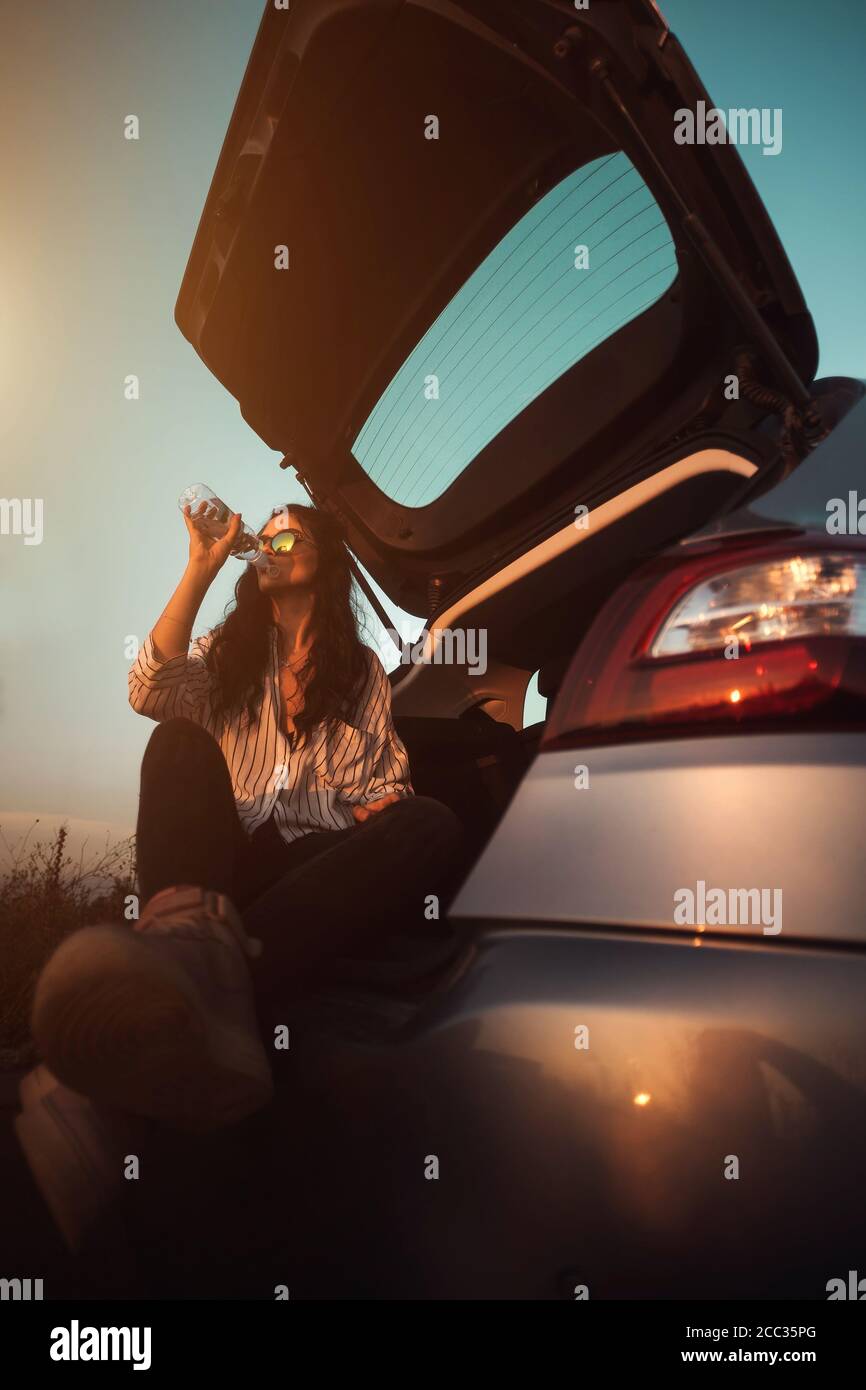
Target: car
552	370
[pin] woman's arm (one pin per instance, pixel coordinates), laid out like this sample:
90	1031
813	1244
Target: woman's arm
172	632
390	778
166	679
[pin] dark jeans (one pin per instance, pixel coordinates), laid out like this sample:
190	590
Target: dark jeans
329	894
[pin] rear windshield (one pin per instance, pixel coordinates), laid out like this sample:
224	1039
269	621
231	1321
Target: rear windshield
533	308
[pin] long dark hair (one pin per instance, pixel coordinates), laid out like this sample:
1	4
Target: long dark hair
239	652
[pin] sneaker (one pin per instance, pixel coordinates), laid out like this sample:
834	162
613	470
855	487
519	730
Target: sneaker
158	1018
74	1154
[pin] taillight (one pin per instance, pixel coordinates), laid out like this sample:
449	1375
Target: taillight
734	636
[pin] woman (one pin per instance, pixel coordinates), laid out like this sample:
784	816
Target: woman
278	829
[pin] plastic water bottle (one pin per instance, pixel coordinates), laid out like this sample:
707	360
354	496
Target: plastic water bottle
214	521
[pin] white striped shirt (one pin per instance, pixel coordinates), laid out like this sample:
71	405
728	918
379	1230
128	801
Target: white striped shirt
310	782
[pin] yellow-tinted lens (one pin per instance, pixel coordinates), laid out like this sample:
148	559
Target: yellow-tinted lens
283	542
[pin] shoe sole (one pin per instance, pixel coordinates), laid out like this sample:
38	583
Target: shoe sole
126	1027
35	1086
62	1153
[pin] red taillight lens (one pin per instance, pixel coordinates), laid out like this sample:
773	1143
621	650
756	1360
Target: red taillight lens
732	637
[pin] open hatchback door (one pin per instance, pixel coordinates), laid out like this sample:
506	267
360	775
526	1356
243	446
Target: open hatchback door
455	266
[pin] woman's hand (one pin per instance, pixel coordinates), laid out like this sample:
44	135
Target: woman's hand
206	555
362	813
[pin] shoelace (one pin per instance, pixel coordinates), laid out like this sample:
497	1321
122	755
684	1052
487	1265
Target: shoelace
185	907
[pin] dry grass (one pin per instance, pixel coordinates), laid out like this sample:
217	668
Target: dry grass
45	895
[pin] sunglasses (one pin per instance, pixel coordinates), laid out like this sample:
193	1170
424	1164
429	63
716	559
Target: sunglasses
283	542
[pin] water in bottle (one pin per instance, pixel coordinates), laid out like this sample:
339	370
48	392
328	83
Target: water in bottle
214	521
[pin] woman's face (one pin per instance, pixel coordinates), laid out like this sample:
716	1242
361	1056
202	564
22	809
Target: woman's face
298	566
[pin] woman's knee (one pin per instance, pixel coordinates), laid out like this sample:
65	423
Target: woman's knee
431	818
179	739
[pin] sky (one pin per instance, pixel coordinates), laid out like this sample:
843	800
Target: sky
95	231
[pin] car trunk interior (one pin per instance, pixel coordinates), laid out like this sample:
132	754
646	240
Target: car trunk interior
469	748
